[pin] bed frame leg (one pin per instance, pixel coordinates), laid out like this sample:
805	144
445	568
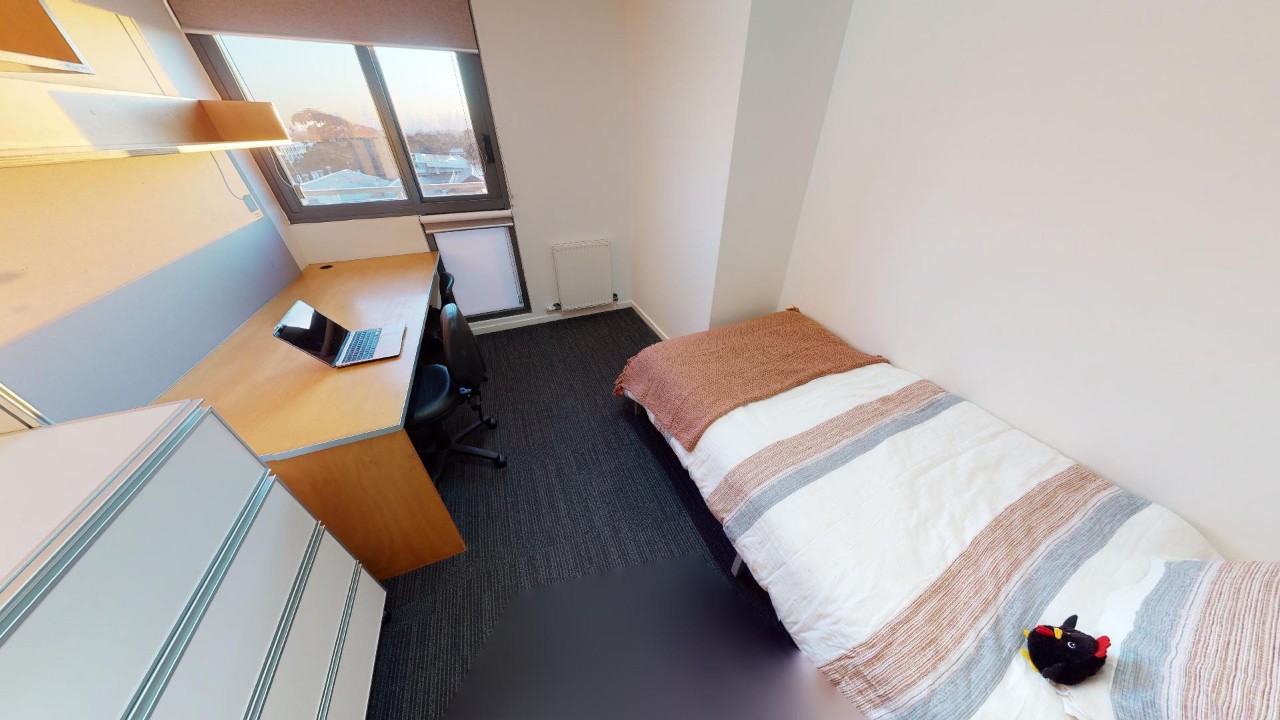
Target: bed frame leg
736	568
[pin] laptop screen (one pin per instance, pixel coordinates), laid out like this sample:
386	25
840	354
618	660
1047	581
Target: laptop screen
311	332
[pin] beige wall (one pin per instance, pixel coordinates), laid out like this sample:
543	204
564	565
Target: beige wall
73	232
1067	212
78	238
9	423
685	69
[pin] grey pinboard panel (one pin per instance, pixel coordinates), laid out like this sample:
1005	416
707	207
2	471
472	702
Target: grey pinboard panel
128	346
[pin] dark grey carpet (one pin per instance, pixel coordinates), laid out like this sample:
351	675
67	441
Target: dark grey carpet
590	488
668	639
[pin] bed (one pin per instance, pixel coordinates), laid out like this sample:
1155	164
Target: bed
906	537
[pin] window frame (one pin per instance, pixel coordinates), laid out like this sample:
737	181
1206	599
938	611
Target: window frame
477	95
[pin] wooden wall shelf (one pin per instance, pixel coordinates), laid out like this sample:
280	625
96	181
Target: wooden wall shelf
63	123
31	41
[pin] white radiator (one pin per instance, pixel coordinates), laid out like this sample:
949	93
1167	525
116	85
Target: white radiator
584	273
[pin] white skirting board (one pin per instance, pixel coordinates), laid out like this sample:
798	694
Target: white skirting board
649	321
509	323
500	324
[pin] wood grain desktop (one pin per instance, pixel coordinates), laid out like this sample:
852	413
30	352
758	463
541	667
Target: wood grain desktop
335	436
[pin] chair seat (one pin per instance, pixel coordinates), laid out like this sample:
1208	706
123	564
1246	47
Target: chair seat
434	395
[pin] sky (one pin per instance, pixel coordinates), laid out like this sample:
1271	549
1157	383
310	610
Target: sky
425	86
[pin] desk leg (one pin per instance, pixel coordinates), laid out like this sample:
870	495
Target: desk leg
377	499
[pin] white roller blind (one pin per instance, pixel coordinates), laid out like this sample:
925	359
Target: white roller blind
443	24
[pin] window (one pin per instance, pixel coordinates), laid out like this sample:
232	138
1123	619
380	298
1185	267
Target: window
431	108
340	153
488	270
376	131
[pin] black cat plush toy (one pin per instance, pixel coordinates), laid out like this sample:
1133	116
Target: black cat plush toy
1064	654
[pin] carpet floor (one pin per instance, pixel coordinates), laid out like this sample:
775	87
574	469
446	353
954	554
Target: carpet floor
590	488
668	639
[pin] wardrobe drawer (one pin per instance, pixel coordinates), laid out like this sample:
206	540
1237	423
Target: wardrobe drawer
219	667
350	698
83	650
299	679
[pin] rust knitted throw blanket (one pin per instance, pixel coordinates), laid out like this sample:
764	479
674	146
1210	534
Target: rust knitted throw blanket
689	382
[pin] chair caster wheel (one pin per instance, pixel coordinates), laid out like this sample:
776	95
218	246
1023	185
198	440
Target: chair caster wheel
501	462
490	423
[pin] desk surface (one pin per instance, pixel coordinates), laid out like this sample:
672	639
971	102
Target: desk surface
284	402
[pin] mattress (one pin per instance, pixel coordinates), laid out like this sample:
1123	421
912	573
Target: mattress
907	537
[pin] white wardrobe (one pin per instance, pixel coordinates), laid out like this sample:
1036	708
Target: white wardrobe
153	568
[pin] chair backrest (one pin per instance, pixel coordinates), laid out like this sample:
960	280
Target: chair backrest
461	351
446	289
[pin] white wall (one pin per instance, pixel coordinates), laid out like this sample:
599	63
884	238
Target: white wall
356	239
1067	212
791	55
727	100
555	72
685	69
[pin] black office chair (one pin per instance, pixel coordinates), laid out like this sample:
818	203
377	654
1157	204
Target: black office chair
446	289
440	389
432	340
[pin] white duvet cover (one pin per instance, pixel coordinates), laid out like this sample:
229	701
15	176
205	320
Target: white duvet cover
906	538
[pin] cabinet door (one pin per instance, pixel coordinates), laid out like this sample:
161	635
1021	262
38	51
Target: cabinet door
216	676
350	700
85	648
299	680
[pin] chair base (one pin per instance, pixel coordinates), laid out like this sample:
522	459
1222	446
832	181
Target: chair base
446	446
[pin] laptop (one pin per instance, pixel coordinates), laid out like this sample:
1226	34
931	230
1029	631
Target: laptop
325	340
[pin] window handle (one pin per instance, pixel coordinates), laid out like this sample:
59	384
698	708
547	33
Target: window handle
487	144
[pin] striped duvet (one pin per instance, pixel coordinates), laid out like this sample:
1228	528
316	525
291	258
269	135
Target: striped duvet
906	537
1192	640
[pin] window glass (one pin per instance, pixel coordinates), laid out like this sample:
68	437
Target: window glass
340	152
484	263
426	91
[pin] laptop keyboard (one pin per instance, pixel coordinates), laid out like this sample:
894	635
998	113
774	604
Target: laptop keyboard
363	344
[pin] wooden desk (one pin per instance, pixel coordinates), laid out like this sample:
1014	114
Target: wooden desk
336	437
